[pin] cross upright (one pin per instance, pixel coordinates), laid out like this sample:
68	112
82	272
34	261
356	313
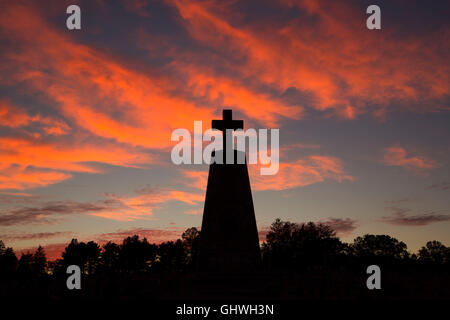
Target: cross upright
227	122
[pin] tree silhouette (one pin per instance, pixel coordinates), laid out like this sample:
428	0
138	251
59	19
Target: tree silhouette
24	265
31	264
110	256
191	239
172	256
379	249
136	255
298	251
8	260
39	261
291	246
434	252
84	255
92	251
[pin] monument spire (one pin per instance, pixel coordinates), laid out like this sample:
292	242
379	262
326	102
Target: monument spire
229	237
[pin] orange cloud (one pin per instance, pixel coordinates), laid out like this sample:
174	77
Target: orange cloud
15	117
348	69
16	177
30	162
200	178
300	173
11	116
303	172
233	94
120	208
91	88
142	206
249	68
398	156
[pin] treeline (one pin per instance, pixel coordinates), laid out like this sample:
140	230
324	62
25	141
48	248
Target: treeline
294	247
288	247
133	255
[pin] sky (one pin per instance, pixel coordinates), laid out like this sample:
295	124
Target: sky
86	116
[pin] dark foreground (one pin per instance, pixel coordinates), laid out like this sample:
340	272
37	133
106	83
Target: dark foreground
335	285
255	296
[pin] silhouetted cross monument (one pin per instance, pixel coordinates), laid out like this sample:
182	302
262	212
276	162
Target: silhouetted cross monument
227	122
229	238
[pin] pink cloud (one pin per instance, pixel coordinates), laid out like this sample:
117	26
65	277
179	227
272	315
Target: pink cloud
129	208
199	179
398	156
305	171
341	226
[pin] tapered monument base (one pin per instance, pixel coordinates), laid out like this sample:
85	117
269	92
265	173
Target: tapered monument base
229	236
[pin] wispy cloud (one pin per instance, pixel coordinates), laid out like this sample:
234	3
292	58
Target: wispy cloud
342	226
48	212
9	198
400	200
129	208
305	171
444	186
197	179
116	207
34	236
401	217
398	156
